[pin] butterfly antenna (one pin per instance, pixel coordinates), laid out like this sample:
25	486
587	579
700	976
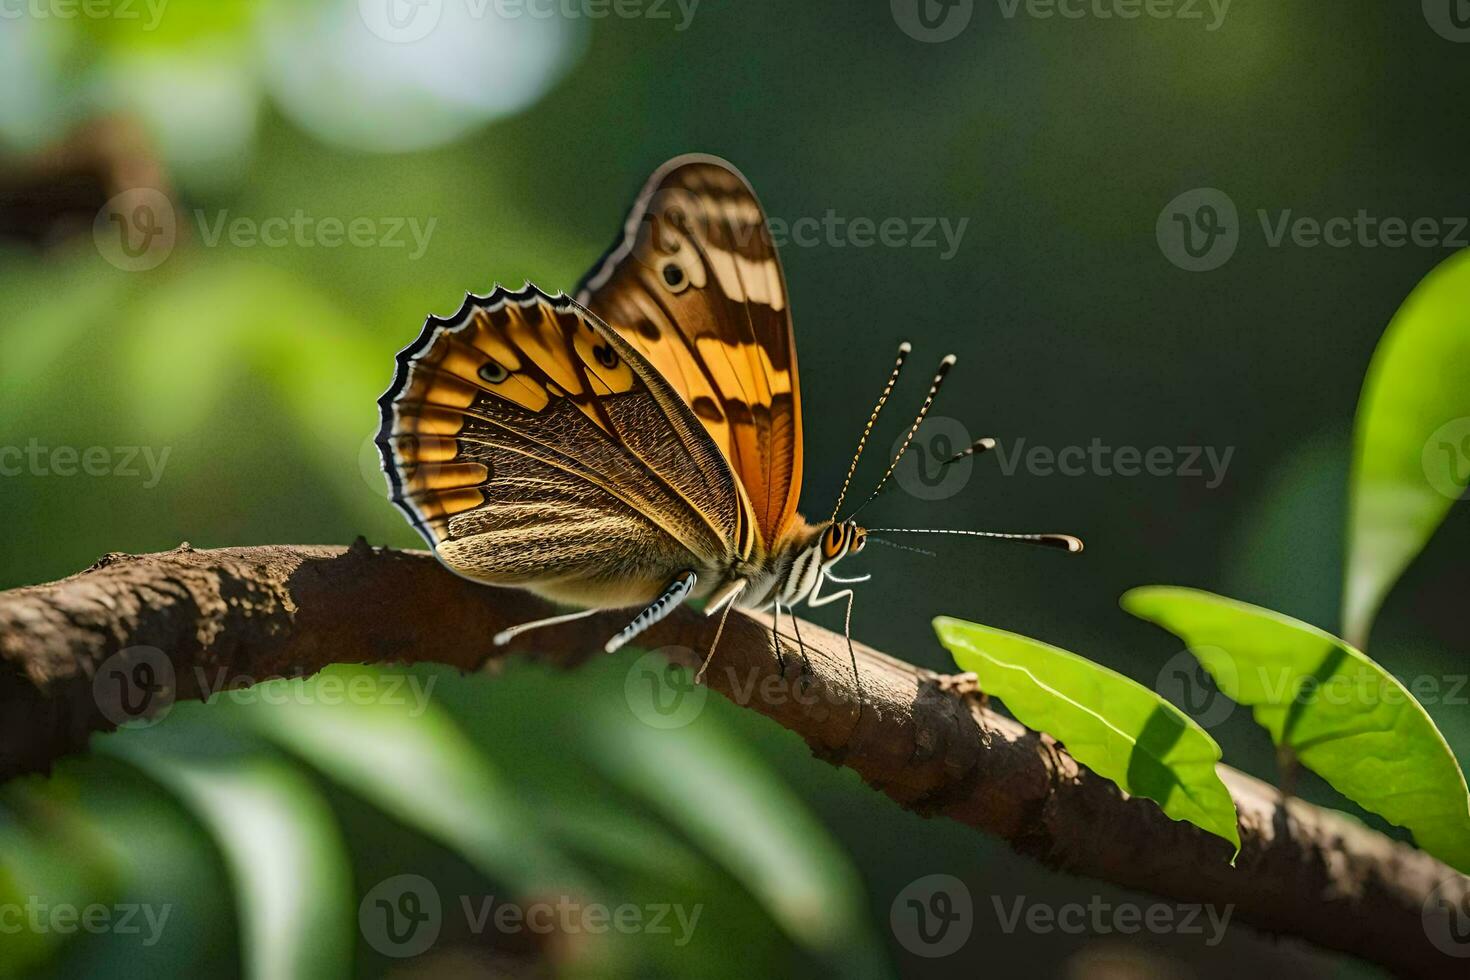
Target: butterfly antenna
944	366
901	547
976	448
903	353
1064	542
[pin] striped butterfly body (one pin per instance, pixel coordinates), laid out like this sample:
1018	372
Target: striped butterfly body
637	446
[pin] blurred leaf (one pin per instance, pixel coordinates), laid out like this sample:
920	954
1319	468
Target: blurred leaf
1342	715
38	863
292	880
1112	724
1411	458
729	804
419	768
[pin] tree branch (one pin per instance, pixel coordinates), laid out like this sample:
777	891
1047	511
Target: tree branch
289	611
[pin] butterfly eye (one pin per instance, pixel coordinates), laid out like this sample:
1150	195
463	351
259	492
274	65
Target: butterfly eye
493	372
857	544
606	356
831	542
674	275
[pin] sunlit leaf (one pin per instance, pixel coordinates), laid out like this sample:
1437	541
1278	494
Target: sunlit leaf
291	876
396	748
729	804
1112	724
1411	458
1342	715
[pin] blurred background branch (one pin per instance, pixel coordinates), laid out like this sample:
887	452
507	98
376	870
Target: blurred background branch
277	611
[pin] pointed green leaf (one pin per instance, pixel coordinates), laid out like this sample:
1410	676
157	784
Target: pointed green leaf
1112	724
1345	717
279	839
705	782
1411	455
406	755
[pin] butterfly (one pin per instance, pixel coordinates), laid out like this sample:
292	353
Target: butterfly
640	444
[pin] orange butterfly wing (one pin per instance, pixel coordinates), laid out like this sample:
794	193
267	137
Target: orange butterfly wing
695	284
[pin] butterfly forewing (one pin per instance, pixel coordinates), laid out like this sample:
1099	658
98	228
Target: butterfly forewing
696	285
532	446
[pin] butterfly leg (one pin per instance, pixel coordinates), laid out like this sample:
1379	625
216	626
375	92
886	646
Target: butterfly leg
678	590
776	638
806	664
815	600
510	633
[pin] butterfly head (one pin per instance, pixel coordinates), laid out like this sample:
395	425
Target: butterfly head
840	539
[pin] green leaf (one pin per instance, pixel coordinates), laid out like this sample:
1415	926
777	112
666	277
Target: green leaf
1411	458
1342	715
406	755
705	782
292	880
1115	726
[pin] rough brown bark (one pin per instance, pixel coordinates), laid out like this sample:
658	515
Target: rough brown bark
287	611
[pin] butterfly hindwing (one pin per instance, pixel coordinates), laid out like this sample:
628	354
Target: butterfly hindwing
696	285
532	446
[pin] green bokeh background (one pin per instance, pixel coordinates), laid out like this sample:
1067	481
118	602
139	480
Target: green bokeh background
1059	141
